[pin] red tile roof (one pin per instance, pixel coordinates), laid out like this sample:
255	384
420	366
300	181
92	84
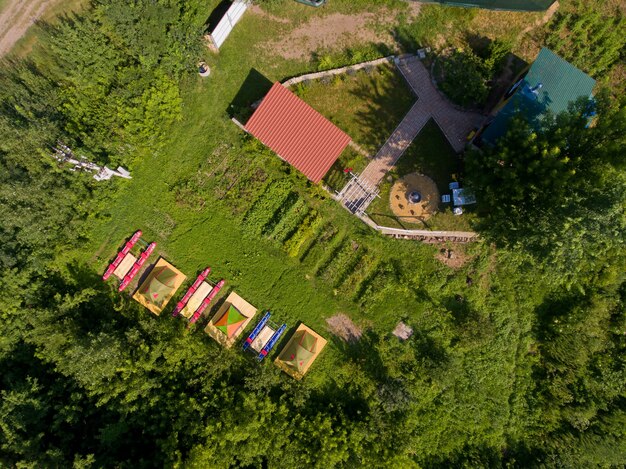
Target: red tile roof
297	133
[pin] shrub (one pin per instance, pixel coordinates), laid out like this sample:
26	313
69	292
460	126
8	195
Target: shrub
309	226
266	206
464	78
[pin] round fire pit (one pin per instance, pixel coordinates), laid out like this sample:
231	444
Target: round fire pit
414	198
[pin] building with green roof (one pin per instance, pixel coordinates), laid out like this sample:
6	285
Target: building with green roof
550	85
511	5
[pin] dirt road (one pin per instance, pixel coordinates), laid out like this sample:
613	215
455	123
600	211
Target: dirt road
15	19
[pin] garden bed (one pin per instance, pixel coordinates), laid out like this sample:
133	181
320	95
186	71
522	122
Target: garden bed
349	161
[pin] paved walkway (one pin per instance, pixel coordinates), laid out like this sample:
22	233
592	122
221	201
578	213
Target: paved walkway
454	123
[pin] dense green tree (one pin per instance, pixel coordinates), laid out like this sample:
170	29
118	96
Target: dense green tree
587	36
557	191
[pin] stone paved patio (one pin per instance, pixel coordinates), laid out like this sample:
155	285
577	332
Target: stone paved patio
453	122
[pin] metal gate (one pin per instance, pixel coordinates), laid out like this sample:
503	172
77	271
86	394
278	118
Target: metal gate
228	21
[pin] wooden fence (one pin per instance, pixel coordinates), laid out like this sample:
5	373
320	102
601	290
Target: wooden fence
426	236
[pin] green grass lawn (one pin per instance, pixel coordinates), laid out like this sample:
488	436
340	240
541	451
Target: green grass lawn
429	154
215	197
367	105
192	197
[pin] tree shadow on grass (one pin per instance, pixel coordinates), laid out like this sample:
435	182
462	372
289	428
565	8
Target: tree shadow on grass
101	310
430	154
386	99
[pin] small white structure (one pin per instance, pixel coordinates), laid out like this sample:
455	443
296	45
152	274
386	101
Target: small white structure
227	23
63	154
106	173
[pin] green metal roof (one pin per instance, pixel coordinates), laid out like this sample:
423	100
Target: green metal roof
512	5
550	85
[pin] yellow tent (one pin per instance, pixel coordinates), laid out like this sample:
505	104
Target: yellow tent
159	286
298	355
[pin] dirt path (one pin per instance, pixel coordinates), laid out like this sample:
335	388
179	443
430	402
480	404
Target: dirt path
335	30
16	18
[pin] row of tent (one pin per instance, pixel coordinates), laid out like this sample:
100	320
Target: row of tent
229	322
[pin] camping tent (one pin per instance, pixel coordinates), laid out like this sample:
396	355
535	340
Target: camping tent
160	285
230	320
300	352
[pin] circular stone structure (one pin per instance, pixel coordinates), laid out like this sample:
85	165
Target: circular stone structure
414	198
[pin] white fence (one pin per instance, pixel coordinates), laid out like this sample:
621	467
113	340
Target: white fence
429	236
228	22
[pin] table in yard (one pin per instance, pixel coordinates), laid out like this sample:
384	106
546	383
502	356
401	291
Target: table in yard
463	197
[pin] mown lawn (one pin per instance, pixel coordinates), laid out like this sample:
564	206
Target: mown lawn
367	105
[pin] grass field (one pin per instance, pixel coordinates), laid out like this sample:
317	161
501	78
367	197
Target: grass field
215	197
299	253
194	197
367	105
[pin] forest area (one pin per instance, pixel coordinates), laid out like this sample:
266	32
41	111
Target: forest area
518	358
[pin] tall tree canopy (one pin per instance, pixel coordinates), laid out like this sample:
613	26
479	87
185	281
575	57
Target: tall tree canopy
558	191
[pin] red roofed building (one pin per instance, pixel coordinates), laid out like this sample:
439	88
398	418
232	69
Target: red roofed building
297	133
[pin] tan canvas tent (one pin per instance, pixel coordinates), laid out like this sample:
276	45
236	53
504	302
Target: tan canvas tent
298	355
230	320
159	286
